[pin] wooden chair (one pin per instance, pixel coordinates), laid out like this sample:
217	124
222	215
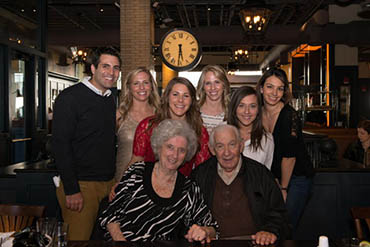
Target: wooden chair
17	217
358	214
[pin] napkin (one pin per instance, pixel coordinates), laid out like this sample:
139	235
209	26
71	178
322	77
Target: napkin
9	240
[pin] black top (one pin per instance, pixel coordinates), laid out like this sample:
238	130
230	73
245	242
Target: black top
355	152
145	216
288	139
83	136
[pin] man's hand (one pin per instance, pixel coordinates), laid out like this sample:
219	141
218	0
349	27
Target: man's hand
75	202
198	233
112	193
264	238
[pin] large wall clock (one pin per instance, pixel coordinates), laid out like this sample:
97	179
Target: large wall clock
180	50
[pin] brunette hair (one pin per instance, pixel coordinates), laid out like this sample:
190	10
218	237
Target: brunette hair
279	73
193	117
126	97
257	128
364	124
95	55
221	75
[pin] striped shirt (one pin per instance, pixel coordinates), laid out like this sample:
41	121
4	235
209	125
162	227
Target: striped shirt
144	216
211	121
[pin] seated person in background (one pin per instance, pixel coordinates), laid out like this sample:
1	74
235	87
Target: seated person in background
355	151
235	186
154	201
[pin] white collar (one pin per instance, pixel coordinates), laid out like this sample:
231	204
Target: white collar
87	83
230	178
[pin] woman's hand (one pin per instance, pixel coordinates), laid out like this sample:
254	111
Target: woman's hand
200	233
264	238
284	193
112	193
115	232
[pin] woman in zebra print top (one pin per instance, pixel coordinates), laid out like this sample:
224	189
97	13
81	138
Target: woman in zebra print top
154	201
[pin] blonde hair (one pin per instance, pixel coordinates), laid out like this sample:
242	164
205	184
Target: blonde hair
221	75
126	98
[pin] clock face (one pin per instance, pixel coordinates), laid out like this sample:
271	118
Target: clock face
180	50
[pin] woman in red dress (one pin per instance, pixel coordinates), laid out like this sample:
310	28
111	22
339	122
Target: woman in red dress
178	102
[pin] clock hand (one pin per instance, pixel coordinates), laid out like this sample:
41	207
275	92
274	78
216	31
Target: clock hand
180	55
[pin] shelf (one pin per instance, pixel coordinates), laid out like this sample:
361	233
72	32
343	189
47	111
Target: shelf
319	108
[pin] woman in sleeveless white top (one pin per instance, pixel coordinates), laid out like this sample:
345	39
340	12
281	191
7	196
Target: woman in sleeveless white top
245	113
213	92
139	100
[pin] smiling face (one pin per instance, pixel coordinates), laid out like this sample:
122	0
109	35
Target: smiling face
172	153
272	90
179	101
363	135
107	72
227	148
141	87
247	110
213	87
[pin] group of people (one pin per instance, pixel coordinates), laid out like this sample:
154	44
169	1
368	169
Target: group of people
197	163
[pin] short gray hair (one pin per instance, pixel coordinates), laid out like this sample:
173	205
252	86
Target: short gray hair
219	128
170	128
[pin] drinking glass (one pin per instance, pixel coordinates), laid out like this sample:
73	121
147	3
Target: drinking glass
46	227
60	234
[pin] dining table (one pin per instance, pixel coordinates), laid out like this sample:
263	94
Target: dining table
215	243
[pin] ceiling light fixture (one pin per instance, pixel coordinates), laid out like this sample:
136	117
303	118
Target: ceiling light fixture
78	55
240	56
254	20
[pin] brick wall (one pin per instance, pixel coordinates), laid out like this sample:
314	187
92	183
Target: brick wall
135	35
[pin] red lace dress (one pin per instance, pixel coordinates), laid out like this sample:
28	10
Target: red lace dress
142	147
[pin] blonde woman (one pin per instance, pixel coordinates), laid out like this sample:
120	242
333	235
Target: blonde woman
139	100
213	94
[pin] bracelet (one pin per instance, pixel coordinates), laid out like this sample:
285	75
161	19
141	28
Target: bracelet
283	188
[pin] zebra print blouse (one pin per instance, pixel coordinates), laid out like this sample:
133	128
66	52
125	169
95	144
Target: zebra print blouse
144	216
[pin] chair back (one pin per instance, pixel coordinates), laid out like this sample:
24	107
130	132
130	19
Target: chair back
358	214
16	217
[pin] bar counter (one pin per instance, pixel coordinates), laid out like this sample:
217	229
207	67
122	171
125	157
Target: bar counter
335	190
30	183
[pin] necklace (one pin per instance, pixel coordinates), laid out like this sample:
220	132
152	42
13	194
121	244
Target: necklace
163	179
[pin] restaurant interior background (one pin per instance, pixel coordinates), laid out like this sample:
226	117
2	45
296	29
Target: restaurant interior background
323	45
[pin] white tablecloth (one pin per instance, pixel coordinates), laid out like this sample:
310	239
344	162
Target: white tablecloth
9	241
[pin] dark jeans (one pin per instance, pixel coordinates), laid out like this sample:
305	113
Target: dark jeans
298	194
